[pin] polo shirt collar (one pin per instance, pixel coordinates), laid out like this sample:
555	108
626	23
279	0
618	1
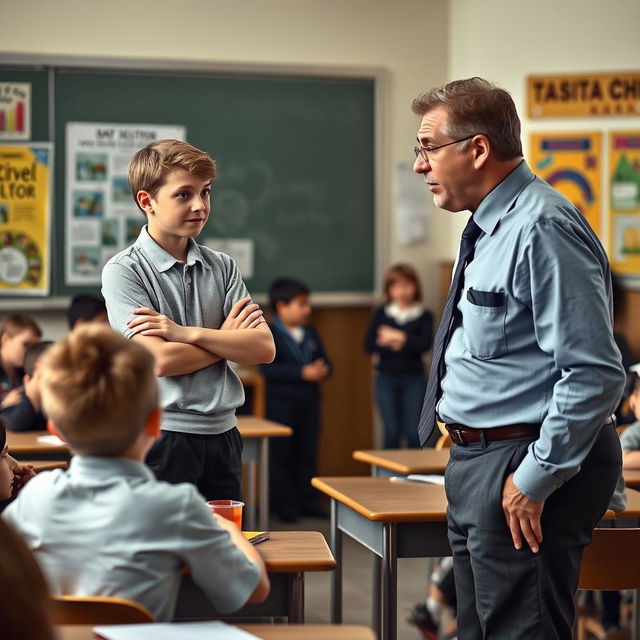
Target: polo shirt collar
501	199
108	467
161	258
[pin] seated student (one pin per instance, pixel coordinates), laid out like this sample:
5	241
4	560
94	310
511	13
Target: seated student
27	415
17	333
86	308
293	398
24	605
630	438
107	526
13	475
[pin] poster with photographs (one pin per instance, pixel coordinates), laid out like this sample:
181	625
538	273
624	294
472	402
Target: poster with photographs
25	217
101	216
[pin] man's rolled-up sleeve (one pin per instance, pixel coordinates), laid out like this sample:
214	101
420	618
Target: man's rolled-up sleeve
559	277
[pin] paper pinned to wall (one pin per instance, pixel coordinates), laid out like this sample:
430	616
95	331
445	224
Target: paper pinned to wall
240	249
413	213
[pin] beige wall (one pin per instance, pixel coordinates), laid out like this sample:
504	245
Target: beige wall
391	35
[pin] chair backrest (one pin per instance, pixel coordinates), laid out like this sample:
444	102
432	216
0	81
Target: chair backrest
612	561
91	610
444	442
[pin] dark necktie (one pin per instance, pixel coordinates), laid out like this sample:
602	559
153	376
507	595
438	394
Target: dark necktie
432	395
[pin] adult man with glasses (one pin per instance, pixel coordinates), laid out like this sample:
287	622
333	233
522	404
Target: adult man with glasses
525	372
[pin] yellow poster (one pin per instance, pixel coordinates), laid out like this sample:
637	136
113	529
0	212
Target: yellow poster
570	162
624	193
595	94
25	205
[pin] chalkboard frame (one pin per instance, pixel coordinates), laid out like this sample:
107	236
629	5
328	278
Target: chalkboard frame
378	75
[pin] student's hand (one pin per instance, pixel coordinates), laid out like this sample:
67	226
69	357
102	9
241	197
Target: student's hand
522	515
395	339
151	323
12	398
22	473
243	316
316	371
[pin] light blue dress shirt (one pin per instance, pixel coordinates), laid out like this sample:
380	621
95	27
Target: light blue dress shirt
532	341
108	527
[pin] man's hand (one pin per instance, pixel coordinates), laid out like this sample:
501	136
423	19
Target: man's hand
12	398
395	339
316	371
151	323
523	516
243	316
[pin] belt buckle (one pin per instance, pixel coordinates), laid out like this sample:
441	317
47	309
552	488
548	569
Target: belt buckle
457	436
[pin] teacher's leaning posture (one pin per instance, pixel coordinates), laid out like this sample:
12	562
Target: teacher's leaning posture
525	372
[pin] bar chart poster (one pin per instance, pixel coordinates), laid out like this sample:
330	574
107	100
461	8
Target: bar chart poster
25	215
624	193
15	111
570	162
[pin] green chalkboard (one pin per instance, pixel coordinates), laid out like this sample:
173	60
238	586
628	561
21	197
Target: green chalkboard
295	161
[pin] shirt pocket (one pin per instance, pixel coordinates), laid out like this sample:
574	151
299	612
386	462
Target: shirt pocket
484	320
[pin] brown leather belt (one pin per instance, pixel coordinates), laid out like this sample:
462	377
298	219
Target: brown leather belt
463	435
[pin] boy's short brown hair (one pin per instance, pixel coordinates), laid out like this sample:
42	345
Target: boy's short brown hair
15	323
98	389
149	167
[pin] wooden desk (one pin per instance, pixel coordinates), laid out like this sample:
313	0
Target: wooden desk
390	462
255	434
288	555
264	631
45	465
254	431
396	520
632	478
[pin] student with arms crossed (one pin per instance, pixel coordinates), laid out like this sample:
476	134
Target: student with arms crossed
189	306
107	526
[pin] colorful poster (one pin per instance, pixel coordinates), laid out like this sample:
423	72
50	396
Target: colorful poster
601	94
15	111
624	193
25	214
102	218
570	162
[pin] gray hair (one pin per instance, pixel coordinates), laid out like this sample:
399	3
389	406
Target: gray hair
476	106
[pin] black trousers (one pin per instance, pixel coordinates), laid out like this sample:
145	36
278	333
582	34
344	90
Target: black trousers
505	594
293	461
213	463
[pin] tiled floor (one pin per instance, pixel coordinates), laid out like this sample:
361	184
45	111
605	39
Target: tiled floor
357	574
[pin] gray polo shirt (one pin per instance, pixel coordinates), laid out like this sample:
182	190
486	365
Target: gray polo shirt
107	527
198	293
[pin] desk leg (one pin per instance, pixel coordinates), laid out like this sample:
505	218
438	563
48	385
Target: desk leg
250	511
296	598
335	542
264	484
389	583
377	595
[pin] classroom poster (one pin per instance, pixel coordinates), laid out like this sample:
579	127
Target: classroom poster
101	216
25	214
15	111
570	162
624	194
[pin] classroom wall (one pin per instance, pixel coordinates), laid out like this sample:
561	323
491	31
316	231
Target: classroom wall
506	41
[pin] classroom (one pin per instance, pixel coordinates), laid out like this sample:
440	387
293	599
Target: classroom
236	257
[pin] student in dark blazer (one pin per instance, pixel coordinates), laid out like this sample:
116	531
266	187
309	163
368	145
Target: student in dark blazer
400	333
293	399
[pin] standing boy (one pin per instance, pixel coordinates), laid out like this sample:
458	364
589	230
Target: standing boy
293	398
189	306
17	333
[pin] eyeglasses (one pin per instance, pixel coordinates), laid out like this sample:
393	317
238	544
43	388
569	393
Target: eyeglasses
424	151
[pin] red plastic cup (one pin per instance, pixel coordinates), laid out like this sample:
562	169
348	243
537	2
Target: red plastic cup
229	509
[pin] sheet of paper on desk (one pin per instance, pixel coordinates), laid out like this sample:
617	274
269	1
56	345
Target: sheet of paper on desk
210	630
417	477
50	440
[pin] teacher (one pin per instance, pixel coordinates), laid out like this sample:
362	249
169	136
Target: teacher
525	372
